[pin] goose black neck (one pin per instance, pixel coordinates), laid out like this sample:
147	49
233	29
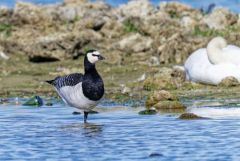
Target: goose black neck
89	67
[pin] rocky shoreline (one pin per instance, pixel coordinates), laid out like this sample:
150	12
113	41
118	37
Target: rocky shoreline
141	43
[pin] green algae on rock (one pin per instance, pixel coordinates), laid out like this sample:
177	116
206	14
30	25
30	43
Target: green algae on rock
169	105
172	111
148	112
164	101
34	101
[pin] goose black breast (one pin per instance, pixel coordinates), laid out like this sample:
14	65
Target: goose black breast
93	87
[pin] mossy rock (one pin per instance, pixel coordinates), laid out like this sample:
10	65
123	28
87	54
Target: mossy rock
190	116
34	101
149	85
229	82
158	96
169	105
192	85
176	111
157	83
147	112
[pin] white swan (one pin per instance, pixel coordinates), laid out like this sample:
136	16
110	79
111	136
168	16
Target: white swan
212	64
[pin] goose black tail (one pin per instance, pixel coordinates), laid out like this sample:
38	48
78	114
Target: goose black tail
50	82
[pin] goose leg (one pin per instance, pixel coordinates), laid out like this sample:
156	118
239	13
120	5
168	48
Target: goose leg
85	116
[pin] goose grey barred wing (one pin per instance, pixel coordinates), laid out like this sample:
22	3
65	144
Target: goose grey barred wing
67	80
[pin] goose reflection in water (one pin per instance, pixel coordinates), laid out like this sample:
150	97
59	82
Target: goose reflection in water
86	129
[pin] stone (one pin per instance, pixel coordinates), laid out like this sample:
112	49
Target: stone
5	14
162	80
34	101
148	112
63	46
28	13
115	56
135	43
48	49
188	22
158	96
177	9
179	73
220	18
135	8
154	61
3	55
4	100
155	155
67	13
141	78
229	82
169	105
49	104
112	29
125	90
75	1
189	116
178	47
76	113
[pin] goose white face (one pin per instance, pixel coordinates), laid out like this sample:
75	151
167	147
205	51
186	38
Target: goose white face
94	56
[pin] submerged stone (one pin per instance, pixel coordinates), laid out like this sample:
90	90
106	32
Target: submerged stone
34	101
49	104
155	155
189	116
147	112
76	113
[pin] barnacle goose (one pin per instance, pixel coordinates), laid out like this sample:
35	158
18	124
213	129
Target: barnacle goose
82	91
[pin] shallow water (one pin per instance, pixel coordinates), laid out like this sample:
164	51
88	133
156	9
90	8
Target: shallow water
234	5
117	133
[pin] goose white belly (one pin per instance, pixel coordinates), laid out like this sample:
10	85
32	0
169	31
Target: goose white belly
199	69
73	96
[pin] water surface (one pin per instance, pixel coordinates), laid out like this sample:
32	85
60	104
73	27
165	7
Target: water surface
117	133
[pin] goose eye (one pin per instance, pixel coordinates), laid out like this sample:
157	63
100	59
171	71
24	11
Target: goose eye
94	55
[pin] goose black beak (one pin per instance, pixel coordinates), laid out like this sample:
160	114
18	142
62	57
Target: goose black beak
100	57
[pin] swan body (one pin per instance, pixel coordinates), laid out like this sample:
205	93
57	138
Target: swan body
200	69
219	52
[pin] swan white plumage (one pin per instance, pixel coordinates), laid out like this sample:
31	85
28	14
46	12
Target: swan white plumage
219	52
212	64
